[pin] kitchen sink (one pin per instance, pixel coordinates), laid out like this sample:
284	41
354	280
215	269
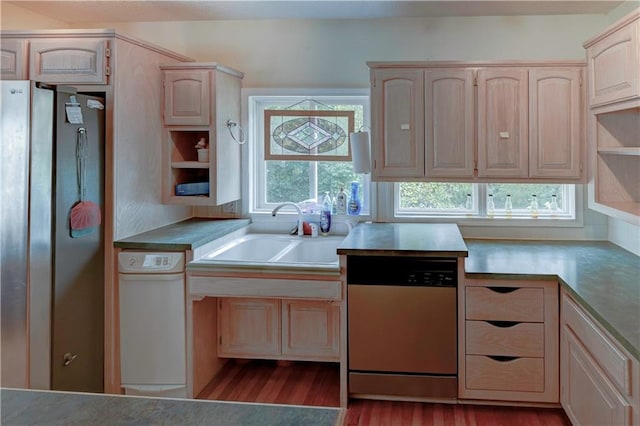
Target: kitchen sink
272	250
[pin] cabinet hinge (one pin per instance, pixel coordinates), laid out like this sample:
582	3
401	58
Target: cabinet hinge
475	81
107	52
220	340
375	165
373	82
107	71
580	166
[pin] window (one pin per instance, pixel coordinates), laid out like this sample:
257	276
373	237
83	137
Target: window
480	200
290	179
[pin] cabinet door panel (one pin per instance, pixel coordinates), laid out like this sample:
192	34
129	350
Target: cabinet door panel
614	66
311	330
69	61
186	98
249	327
555	123
587	396
398	114
449	123
13	60
503	146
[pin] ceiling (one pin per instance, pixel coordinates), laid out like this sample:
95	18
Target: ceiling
77	12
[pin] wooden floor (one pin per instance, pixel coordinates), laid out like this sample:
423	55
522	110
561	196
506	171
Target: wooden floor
318	384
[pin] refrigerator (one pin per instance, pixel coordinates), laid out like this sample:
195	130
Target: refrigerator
51	237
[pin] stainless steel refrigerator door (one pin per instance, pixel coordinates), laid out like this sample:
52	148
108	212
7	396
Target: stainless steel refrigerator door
14	176
78	308
40	246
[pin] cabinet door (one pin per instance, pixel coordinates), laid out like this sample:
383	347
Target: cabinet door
311	330
69	61
248	328
398	116
555	123
587	395
503	146
13	59
186	98
614	66
449	124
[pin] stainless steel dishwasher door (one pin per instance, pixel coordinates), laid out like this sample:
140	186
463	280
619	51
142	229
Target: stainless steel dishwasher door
402	329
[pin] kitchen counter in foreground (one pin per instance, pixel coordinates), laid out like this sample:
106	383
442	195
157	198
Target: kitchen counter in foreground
603	277
29	407
187	235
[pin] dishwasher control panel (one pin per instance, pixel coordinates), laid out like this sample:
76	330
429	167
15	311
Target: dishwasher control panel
402	271
133	262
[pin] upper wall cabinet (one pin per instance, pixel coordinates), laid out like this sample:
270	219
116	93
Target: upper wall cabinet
13	59
186	98
201	101
398	123
614	63
556	124
449	122
480	122
614	120
69	61
502	123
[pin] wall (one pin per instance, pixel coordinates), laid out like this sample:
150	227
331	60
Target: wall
16	18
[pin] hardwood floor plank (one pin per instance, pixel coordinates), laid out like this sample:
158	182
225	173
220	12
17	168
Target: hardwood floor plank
301	383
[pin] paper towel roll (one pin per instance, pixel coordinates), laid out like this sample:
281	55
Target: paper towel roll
360	154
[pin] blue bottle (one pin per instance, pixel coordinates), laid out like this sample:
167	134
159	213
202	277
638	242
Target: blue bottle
325	215
353	206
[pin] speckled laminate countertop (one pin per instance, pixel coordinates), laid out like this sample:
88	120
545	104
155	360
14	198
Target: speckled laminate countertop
186	235
404	239
28	407
603	277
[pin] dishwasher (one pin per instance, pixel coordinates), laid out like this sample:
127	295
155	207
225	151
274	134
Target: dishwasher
402	326
152	323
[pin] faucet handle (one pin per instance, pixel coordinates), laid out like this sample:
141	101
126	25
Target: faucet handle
294	230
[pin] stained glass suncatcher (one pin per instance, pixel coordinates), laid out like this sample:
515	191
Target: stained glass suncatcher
307	135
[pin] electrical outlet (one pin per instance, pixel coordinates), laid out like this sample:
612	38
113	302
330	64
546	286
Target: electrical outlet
229	207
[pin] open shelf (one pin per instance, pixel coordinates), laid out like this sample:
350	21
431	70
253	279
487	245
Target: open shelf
620	151
189	165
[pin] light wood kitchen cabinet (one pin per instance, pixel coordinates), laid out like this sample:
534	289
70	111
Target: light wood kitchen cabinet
503	140
614	62
279	329
248	327
600	381
449	123
491	122
201	100
311	329
13	59
556	124
508	341
397	99
186	98
69	60
614	119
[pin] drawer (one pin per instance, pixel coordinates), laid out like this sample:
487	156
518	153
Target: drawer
522	304
614	362
505	338
510	374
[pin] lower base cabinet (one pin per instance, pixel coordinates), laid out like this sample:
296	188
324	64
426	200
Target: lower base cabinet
279	329
508	341
600	381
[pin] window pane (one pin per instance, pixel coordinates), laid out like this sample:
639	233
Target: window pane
521	195
287	181
433	196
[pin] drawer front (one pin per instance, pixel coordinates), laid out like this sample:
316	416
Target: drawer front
505	304
505	339
517	375
616	364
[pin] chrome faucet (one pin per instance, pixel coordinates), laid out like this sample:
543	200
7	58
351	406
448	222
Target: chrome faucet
298	209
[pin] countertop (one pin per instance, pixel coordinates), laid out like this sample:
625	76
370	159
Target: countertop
187	235
404	239
603	277
29	407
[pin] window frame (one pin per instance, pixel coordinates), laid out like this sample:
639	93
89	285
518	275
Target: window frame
254	101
